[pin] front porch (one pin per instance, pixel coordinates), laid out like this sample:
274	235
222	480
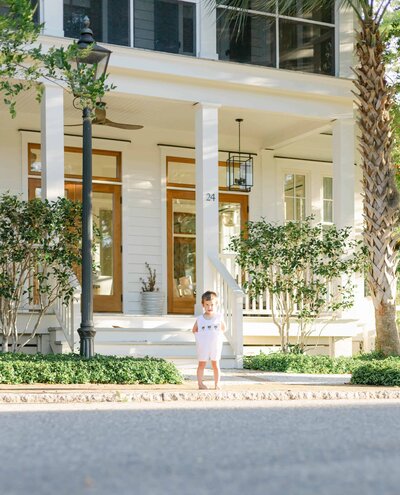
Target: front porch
298	127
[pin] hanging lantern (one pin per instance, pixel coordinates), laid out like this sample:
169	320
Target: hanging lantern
239	169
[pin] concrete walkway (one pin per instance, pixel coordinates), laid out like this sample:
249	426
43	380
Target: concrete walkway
235	385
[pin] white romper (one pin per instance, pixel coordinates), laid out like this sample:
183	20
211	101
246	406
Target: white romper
209	338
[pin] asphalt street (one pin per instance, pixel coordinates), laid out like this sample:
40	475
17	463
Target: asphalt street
267	448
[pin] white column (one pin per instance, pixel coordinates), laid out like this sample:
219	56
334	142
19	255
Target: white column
52	138
270	192
343	172
51	13
207	32
207	221
346	23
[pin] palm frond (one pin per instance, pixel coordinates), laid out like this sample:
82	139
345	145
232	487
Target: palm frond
236	11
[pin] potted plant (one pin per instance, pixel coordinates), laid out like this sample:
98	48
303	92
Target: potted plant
152	297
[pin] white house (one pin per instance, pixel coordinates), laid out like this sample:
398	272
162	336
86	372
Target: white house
161	192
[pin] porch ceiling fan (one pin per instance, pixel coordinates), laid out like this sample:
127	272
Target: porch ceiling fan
101	119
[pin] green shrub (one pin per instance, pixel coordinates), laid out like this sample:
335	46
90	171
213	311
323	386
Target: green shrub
302	363
384	372
71	368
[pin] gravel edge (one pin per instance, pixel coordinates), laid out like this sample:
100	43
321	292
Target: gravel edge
192	396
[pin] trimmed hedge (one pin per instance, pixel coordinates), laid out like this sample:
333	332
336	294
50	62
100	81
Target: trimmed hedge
71	368
303	363
385	372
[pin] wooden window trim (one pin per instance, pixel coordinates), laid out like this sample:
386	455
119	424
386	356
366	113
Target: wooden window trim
75	149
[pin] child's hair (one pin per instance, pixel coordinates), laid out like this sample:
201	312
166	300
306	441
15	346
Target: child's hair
208	295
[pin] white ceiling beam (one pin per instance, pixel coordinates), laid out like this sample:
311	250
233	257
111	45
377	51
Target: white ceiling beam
297	137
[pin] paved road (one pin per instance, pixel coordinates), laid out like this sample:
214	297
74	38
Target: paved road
297	448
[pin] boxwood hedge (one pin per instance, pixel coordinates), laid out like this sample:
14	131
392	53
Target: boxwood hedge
385	372
303	363
71	368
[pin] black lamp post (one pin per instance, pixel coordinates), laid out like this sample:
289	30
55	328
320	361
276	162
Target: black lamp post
98	57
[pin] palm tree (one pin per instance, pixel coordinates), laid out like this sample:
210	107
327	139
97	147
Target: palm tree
374	99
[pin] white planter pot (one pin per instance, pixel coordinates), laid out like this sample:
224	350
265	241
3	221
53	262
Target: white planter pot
153	303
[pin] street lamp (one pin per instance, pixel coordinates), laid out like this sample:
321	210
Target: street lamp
97	56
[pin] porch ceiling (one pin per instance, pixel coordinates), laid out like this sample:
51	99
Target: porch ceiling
259	129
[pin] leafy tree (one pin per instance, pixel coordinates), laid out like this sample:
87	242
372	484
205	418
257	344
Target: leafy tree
374	99
39	247
23	63
391	32
306	269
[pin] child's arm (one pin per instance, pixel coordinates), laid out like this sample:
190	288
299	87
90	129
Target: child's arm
195	329
223	327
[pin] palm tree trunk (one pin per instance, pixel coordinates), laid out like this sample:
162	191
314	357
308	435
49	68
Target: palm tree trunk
381	199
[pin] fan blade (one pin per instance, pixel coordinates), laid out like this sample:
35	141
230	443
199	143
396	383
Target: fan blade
131	127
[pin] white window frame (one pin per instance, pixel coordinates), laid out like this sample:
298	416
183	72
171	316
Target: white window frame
275	15
323	199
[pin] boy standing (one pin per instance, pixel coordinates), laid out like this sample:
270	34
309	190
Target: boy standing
208	333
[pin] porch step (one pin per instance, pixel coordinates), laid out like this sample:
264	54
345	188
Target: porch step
159	349
118	321
155	337
148	335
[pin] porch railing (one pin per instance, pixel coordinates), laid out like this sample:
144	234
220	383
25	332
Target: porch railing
261	305
68	314
231	300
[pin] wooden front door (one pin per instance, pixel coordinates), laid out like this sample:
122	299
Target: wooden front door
181	231
107	280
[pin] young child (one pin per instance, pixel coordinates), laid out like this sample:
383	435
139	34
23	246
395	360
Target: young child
208	333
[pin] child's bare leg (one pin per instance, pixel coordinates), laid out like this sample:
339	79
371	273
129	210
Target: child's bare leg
200	374
217	373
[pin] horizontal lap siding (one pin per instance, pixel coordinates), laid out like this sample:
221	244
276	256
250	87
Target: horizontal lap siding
141	222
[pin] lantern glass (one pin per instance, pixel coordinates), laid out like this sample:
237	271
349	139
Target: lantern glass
98	57
239	168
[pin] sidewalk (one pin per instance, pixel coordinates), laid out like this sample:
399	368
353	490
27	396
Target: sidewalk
235	385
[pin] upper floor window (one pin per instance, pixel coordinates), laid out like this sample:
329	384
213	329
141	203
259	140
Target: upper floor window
109	19
4	9
163	25
285	38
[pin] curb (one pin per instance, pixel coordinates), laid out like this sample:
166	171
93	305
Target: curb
193	396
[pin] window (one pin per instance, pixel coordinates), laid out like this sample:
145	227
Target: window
321	13
288	38
295	197
165	25
327	198
109	21
254	45
4	9
106	164
306	47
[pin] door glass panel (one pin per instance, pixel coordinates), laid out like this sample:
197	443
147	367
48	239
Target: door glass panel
184	248
229	224
103	256
182	226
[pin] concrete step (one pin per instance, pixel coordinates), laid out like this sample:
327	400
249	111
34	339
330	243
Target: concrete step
182	322
191	363
161	349
153	335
